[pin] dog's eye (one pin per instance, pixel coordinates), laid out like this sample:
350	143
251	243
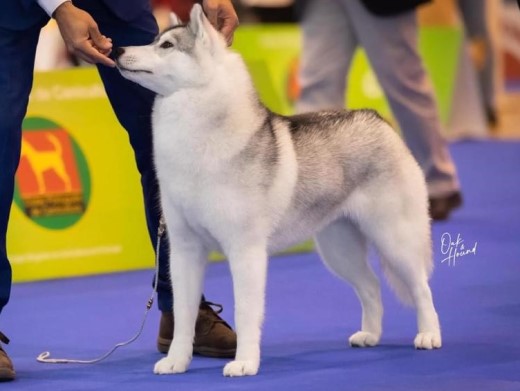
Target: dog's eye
166	45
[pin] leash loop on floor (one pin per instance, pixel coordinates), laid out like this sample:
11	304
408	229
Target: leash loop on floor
45	356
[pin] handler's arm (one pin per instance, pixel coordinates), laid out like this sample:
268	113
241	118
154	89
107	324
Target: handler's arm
79	31
222	16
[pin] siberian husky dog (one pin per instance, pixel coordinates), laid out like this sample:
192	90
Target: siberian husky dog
238	178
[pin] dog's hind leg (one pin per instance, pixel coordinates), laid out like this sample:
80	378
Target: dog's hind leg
188	259
248	266
343	249
397	223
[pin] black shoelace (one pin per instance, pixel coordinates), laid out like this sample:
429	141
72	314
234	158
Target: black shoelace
215	309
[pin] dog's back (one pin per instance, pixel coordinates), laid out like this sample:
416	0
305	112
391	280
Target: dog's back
337	153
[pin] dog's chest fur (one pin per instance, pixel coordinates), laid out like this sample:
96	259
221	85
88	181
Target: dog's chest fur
212	165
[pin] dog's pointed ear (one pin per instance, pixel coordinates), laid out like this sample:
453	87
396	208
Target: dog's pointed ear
174	19
197	21
202	28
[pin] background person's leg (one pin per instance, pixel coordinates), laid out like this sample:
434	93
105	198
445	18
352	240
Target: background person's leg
474	13
328	47
391	46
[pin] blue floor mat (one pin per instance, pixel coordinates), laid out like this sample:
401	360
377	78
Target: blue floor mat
309	315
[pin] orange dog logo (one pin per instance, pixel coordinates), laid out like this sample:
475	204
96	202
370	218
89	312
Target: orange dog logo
48	179
47	161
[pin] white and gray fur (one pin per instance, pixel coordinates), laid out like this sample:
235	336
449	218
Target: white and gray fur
238	178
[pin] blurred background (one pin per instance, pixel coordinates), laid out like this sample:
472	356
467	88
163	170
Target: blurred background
493	48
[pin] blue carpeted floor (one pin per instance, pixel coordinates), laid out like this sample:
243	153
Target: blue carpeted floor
309	314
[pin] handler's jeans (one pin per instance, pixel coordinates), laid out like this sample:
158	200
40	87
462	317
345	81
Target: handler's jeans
131	103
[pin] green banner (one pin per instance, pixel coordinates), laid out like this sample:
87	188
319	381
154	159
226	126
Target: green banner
78	205
272	54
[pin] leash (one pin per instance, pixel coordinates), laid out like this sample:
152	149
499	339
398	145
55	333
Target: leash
45	356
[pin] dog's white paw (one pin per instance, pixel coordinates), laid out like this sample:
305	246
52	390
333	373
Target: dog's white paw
362	339
428	340
241	368
167	366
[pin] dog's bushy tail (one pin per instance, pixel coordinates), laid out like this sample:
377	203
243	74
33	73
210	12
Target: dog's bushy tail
404	238
421	255
398	286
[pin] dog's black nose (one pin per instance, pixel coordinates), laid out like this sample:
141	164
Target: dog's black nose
117	52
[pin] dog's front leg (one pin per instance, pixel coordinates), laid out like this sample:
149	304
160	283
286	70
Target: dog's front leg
248	268
187	263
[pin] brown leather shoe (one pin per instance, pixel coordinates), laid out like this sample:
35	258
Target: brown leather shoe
213	336
441	207
6	366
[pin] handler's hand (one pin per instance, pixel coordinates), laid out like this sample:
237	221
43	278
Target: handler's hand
222	16
81	35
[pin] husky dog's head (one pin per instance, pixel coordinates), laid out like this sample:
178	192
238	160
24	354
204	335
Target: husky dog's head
181	56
